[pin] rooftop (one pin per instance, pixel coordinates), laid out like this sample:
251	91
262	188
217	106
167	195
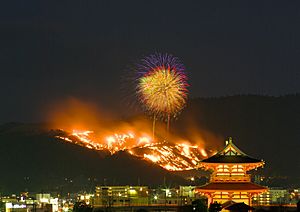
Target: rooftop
231	154
246	186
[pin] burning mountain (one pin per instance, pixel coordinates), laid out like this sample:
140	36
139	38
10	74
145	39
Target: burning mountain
83	124
171	156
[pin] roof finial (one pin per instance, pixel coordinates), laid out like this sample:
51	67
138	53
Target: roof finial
229	141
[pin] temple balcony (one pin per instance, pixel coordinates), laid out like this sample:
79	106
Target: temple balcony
230	178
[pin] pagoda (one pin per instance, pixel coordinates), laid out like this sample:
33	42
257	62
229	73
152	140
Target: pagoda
229	181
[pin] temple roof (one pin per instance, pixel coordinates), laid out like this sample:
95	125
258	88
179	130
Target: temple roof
245	186
230	154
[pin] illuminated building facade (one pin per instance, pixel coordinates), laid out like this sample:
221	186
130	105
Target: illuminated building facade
109	196
229	180
278	196
124	196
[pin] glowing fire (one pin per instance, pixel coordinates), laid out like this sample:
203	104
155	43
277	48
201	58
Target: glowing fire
171	156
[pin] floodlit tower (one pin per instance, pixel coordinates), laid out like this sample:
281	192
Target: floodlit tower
229	180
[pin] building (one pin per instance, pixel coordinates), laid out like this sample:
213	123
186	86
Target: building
128	196
114	196
184	195
17	203
164	196
277	196
229	180
262	199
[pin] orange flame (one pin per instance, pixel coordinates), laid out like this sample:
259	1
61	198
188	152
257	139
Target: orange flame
173	157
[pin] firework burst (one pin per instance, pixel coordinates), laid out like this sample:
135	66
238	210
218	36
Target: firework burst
162	85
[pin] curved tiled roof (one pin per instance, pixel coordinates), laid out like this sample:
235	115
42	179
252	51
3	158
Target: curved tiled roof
230	159
231	186
230	154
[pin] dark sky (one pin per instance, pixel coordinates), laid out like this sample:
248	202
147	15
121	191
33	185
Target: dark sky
52	50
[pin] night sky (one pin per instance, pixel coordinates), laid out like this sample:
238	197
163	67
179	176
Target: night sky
54	50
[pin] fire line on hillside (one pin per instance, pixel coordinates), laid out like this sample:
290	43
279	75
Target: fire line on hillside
171	156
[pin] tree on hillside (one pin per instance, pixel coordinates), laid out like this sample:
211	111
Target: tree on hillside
82	207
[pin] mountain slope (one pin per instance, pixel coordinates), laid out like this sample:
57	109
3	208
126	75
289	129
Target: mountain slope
40	161
264	127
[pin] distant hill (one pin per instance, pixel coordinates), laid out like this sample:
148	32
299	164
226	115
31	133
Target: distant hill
265	127
31	158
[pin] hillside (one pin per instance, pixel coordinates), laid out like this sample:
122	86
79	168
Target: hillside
38	161
264	127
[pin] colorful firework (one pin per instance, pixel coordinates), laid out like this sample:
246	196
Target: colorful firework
162	85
